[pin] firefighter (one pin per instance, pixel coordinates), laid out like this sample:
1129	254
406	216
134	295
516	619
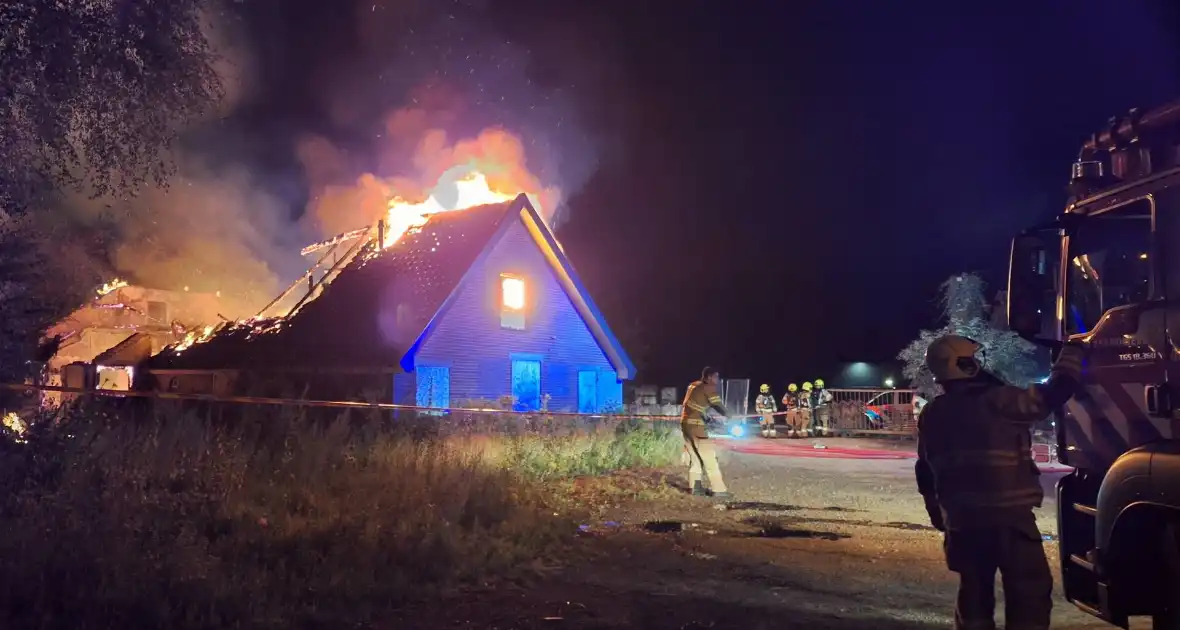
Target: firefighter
977	477
701	396
791	407
823	408
806	411
765	406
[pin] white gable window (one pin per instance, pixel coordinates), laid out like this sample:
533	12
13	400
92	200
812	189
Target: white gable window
513	294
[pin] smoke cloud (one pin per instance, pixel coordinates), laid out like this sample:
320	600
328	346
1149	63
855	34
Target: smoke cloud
497	153
425	87
217	226
446	89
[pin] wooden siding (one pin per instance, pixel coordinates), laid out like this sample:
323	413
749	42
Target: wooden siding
470	340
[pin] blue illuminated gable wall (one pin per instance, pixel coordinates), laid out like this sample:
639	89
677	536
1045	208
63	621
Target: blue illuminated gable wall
470	342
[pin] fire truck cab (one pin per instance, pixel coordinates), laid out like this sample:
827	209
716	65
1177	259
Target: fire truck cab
1106	275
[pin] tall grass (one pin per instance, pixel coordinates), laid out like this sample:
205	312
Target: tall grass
594	452
139	516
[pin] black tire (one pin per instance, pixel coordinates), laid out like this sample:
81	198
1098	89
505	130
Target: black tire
1169	619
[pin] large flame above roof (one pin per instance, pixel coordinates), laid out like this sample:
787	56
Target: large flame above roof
459	188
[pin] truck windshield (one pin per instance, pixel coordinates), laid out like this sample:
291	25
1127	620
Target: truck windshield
1108	265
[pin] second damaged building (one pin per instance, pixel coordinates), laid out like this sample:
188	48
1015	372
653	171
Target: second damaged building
474	306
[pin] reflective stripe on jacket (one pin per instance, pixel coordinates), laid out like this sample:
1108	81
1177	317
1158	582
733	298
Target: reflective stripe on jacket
764	403
823	398
697	400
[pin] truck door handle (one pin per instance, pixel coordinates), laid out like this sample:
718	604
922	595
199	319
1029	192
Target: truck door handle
1156	400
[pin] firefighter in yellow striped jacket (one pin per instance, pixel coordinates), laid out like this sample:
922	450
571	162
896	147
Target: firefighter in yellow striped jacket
791	407
976	474
764	406
701	396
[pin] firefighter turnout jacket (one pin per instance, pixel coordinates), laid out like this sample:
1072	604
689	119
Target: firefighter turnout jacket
699	398
823	397
764	404
975	466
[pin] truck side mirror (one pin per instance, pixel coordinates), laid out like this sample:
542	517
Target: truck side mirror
1032	296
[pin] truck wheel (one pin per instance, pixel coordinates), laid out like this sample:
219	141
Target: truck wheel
1169	619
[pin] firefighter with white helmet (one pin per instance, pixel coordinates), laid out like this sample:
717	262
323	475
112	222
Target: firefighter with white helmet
765	406
823	408
976	474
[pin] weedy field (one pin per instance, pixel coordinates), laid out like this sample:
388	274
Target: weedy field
128	514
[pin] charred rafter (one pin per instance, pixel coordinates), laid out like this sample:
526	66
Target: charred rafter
335	240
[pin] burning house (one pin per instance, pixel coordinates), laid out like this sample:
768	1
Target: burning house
98	345
461	306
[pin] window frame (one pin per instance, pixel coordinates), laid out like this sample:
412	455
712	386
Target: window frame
162	305
512	318
418	382
1155	279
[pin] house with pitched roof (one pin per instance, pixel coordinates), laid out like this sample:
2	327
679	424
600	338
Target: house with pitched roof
475	305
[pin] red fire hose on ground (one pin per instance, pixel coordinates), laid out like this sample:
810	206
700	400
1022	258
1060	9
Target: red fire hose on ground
812	449
807	448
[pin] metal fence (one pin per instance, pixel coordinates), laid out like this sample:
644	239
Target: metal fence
737	396
871	411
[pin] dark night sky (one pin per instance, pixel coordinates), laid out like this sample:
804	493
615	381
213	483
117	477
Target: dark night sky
769	189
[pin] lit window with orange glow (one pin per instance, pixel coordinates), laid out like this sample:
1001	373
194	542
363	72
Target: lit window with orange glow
512	302
512	292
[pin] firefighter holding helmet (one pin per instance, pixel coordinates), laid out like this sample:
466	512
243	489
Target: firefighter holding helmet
980	485
702	457
823	408
765	406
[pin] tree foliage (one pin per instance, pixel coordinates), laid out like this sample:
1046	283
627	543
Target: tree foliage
966	312
94	92
45	273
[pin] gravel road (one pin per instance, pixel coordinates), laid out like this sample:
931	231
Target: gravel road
806	543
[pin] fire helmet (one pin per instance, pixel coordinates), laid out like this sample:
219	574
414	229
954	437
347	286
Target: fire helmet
807	387
819	383
952	357
764	388
792	387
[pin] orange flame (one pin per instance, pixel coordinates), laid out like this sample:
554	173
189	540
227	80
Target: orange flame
113	285
470	191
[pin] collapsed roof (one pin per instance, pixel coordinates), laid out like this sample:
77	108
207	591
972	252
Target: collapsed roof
338	329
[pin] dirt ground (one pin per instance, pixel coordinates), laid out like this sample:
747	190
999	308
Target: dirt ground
817	543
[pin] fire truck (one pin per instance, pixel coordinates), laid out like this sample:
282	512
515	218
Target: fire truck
1105	275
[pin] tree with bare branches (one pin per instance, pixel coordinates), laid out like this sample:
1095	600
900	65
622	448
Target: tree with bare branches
967	313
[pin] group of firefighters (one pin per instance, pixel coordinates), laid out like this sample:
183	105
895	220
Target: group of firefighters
974	470
807	410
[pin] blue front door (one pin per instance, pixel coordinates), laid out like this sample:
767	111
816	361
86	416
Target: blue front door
434	387
588	391
526	385
610	392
